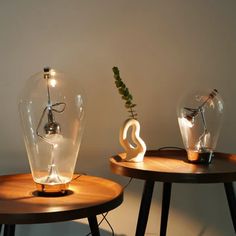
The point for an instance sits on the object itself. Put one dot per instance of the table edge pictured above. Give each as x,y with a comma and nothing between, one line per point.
203,178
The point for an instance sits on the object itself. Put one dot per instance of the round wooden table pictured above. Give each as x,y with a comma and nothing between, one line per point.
87,197
171,166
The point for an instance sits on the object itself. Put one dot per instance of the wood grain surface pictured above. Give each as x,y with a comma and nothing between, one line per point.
87,196
172,166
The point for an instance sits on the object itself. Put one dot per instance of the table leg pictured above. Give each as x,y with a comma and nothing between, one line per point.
144,208
9,230
230,193
166,195
93,224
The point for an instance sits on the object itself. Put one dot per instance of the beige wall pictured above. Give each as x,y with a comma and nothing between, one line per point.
162,49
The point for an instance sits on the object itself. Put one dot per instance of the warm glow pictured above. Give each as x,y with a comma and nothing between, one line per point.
204,141
54,139
186,122
52,82
52,72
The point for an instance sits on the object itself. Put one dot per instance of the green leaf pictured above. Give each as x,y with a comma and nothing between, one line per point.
130,97
118,83
115,70
123,85
117,77
121,91
124,91
133,105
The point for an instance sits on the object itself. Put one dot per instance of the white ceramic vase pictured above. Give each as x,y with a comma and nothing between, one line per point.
134,151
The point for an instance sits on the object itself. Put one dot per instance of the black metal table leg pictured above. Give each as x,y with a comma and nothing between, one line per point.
144,207
165,207
9,230
230,193
93,224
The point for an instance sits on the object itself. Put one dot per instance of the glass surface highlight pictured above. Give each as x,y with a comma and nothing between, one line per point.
52,113
200,117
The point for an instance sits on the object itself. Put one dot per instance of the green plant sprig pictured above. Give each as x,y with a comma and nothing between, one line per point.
124,92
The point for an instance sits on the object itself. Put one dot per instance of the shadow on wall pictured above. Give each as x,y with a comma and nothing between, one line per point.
14,161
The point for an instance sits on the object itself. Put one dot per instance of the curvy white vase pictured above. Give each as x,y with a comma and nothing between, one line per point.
134,151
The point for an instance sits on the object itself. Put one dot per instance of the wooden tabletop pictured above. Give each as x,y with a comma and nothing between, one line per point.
172,166
87,196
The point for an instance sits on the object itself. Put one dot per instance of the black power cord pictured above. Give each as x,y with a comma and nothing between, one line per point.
170,147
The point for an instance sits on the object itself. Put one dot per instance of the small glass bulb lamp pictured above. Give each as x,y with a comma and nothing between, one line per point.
51,112
200,117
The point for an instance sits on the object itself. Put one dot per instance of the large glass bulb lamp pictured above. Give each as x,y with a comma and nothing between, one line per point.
52,111
200,118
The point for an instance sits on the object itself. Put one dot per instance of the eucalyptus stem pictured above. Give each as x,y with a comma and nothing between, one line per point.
124,92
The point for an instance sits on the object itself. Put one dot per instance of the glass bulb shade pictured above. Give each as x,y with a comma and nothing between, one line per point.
200,116
52,113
